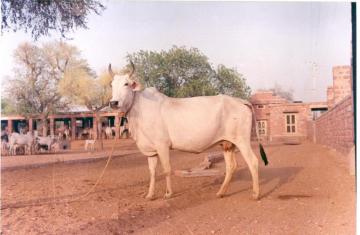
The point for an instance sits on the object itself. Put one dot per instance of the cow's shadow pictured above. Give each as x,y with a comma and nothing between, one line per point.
279,175
189,192
200,191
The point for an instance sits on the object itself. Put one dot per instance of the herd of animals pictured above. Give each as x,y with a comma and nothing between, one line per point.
29,143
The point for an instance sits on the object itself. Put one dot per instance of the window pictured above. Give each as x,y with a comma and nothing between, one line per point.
261,128
260,106
290,123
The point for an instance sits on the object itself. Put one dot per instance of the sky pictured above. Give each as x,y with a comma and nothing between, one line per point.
292,44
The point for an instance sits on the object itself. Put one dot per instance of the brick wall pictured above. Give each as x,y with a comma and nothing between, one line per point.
262,101
335,128
341,82
341,87
277,122
330,97
311,131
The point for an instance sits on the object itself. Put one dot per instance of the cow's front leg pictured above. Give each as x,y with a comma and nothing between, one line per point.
164,156
152,161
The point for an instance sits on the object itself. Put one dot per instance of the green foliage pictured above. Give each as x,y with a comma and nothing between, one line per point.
182,72
41,16
232,83
6,107
82,88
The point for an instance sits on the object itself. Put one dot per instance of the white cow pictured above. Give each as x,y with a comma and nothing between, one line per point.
45,141
108,132
89,145
56,146
67,134
159,123
91,133
17,140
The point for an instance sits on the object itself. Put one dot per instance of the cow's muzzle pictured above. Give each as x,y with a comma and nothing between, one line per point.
114,104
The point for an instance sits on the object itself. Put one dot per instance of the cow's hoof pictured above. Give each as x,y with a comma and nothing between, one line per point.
167,195
220,195
149,197
256,196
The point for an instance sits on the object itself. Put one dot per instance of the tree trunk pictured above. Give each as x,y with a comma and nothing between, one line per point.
44,125
99,132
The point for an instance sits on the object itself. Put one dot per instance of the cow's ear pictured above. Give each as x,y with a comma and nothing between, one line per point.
135,86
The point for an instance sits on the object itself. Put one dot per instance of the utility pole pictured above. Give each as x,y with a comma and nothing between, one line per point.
314,76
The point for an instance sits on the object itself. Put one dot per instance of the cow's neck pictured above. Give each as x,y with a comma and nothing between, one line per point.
143,99
132,102
132,114
144,109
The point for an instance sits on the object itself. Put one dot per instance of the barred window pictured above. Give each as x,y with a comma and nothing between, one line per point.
261,127
290,123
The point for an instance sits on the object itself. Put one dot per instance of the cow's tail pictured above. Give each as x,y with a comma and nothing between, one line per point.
262,151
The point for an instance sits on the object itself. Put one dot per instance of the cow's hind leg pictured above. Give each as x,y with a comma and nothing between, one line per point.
231,164
152,161
252,162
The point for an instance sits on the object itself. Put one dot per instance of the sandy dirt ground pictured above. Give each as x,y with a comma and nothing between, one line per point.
304,190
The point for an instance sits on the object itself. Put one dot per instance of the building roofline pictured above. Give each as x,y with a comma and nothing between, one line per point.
61,115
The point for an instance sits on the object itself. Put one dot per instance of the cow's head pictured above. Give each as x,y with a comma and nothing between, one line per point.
123,89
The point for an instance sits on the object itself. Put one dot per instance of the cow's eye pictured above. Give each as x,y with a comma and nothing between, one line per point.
126,84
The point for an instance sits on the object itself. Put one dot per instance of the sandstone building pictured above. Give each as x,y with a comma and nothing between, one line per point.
329,123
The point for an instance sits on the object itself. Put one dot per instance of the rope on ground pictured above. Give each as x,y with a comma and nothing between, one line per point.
100,176
53,201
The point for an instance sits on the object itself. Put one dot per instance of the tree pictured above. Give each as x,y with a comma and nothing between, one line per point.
176,73
182,72
232,83
7,107
82,88
286,94
38,70
42,16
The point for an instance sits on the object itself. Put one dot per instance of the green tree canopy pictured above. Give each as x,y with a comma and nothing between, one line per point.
182,72
232,83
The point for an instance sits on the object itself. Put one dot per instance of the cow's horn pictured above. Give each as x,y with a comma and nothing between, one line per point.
133,69
110,71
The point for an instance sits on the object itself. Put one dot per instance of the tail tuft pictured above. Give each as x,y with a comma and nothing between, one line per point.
263,154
